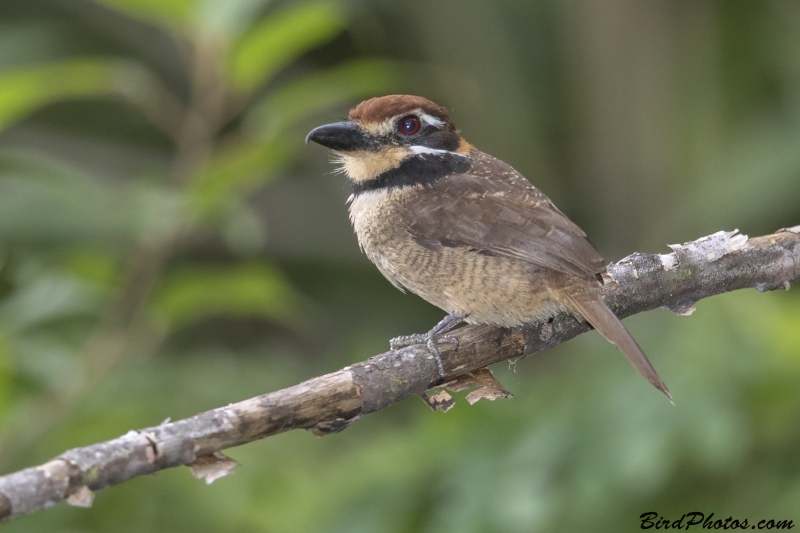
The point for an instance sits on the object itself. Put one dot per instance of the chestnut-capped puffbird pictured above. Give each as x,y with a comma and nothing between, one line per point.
463,230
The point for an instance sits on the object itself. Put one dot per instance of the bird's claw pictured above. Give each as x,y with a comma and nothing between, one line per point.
407,340
431,339
434,350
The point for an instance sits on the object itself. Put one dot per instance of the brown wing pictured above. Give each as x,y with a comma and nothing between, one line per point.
494,210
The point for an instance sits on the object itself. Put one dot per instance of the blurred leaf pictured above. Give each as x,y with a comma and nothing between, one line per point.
169,12
203,18
93,266
760,167
321,90
160,213
49,296
250,290
237,169
282,38
48,203
49,362
24,91
244,166
784,333
229,18
32,42
6,374
243,230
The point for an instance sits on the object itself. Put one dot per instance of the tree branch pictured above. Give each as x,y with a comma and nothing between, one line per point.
719,263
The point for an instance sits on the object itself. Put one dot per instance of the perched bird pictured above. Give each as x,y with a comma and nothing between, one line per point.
464,230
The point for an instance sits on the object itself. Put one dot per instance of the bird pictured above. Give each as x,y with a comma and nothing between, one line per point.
464,230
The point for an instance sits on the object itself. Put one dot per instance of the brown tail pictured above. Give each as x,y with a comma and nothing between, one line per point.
592,308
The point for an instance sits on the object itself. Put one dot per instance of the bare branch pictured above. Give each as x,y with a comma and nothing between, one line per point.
712,265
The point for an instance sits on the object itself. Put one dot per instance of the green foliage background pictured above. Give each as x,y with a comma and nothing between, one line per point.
168,244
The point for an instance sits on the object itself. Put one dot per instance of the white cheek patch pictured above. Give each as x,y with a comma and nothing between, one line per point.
420,150
430,120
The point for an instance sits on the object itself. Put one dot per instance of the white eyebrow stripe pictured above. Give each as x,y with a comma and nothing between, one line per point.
419,150
430,119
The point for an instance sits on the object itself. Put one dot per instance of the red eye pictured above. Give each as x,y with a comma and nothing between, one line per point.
408,125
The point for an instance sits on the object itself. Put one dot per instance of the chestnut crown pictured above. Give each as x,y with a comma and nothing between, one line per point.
384,122
382,108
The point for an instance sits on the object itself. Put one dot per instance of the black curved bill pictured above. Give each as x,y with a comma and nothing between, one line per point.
342,136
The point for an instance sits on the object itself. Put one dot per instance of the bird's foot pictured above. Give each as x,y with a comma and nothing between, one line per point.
431,339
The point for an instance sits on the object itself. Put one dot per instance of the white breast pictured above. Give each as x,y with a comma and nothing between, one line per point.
371,215
365,209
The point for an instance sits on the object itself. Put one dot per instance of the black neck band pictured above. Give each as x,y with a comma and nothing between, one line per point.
421,169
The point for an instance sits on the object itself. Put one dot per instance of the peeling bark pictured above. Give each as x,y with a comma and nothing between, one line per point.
719,263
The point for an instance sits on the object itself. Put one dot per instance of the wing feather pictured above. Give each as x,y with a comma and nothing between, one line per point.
494,210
